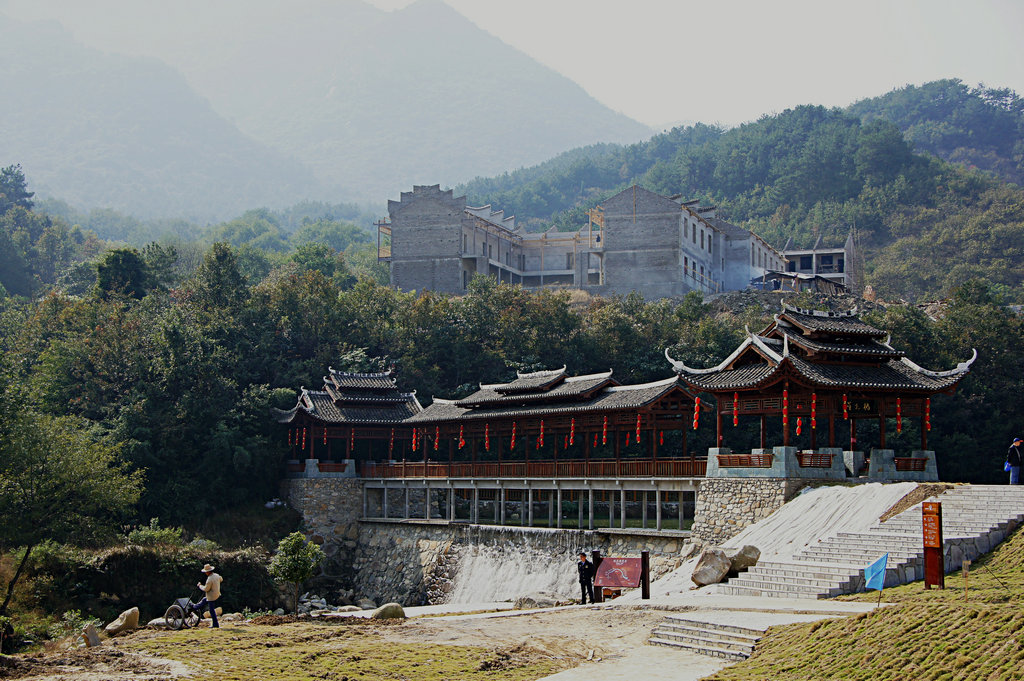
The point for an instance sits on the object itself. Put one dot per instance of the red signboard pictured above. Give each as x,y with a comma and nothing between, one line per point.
619,572
931,520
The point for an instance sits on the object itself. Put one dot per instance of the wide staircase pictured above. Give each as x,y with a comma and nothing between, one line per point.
975,518
718,640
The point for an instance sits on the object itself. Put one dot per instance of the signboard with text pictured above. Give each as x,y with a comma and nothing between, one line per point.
931,521
619,573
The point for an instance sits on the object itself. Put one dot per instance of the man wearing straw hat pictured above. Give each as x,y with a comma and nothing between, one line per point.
212,591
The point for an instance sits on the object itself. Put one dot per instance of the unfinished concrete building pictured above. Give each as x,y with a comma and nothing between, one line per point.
637,240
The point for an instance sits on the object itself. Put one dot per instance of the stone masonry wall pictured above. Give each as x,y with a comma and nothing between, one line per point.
414,562
726,506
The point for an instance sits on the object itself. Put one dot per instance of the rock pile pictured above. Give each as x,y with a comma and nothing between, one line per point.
312,604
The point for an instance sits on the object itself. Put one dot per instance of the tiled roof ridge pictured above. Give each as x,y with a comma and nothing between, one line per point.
643,386
827,314
356,374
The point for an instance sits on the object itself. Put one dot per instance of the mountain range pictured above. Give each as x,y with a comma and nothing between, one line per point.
269,104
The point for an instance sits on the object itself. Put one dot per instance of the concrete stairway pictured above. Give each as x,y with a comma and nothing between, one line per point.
718,640
975,518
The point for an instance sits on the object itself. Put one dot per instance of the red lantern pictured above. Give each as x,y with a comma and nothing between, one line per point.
437,437
696,412
735,409
595,439
540,440
565,442
289,437
814,411
846,409
572,432
303,439
661,438
414,440
462,441
391,442
513,435
785,407
799,425
638,428
928,413
325,437
627,438
899,415
487,437
604,431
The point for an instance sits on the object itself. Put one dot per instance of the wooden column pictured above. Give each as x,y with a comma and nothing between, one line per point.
718,422
831,428
618,453
924,429
881,430
764,430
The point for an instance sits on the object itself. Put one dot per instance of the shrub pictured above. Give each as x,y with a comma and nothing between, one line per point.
154,535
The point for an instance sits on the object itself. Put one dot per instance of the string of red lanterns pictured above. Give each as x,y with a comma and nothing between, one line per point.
899,415
391,442
814,411
846,409
487,437
638,428
928,413
799,425
572,432
437,437
735,409
513,435
696,412
604,431
785,407
303,439
415,441
462,441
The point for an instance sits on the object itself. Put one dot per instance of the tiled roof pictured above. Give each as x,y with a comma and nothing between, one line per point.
380,381
731,379
367,396
537,380
321,406
609,398
893,375
868,347
576,386
844,325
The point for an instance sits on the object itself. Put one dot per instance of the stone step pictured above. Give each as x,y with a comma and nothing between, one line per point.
908,546
803,580
682,620
857,556
823,568
805,573
756,592
785,587
704,637
713,652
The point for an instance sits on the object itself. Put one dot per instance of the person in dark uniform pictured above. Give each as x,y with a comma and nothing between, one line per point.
1013,459
586,570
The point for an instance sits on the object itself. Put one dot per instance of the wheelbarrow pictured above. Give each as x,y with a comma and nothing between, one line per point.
184,612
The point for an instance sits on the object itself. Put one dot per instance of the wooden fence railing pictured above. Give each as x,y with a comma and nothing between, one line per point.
631,468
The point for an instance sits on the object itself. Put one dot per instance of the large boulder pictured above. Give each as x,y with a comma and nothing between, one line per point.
157,623
742,559
347,608
90,637
389,611
125,622
539,599
206,613
712,566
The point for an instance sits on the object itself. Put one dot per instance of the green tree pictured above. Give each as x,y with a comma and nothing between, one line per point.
295,561
13,189
122,271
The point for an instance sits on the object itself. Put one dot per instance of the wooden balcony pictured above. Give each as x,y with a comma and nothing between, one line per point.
814,460
908,463
745,460
630,468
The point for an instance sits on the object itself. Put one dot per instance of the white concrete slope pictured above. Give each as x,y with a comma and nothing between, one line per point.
976,518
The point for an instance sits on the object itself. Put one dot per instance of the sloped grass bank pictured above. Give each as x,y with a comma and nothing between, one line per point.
301,651
928,634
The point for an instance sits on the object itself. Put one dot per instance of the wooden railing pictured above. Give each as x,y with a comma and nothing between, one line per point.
745,460
630,468
910,463
814,460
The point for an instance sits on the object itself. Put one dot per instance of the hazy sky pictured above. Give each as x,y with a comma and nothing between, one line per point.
662,61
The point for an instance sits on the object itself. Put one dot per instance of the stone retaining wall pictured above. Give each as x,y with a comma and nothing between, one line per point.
726,506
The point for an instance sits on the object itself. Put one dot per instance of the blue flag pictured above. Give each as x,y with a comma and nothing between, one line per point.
874,574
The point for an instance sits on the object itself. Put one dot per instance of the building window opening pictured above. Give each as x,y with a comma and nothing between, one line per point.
568,261
805,262
686,265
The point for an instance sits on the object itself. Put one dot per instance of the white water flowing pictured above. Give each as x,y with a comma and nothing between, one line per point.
503,563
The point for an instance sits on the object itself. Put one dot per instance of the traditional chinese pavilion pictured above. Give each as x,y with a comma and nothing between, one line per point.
362,413
820,373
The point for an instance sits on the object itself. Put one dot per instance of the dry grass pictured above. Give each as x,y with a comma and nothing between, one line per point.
303,651
917,495
928,634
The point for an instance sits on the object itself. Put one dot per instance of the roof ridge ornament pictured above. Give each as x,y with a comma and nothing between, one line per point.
551,372
961,368
763,347
681,368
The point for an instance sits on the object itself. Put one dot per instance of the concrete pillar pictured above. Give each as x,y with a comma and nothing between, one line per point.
579,510
643,512
622,509
590,525
426,502
558,509
497,507
475,514
611,508
551,508
406,515
528,516
384,502
365,502
502,519
657,508
681,495
451,504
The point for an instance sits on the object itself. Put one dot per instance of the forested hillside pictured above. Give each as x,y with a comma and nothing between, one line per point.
925,225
